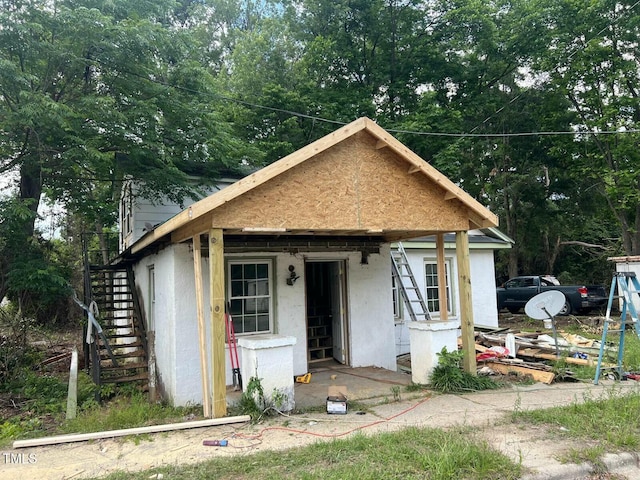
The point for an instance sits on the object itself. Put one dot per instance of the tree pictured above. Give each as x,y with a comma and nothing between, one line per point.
91,92
594,62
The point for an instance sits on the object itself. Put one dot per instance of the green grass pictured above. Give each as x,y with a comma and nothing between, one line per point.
607,424
126,411
413,453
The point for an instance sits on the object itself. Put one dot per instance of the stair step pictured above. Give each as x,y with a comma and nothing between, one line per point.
125,366
136,343
133,378
104,355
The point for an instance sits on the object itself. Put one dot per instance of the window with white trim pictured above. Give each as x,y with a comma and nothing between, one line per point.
249,290
431,286
397,312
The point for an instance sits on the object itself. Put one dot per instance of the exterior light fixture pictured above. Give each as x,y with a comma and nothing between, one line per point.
293,276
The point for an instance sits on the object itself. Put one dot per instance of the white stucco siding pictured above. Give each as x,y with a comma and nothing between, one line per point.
483,289
290,308
164,317
371,311
188,378
368,307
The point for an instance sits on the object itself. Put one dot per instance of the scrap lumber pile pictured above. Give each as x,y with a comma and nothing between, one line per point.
529,354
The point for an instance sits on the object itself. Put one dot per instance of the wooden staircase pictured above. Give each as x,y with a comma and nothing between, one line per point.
125,359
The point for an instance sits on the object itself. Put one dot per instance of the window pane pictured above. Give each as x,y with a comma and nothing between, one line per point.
250,323
237,288
236,272
250,297
236,307
250,271
263,270
263,323
250,305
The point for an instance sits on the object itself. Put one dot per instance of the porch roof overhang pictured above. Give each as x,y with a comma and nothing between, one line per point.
357,182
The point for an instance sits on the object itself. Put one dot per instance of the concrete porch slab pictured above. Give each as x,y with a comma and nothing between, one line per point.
364,384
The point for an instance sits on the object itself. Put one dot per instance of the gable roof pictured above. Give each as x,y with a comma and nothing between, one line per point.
357,181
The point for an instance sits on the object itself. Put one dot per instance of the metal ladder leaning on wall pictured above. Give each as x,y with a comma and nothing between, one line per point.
406,282
627,285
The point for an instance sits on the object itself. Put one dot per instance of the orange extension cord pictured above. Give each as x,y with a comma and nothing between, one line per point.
259,435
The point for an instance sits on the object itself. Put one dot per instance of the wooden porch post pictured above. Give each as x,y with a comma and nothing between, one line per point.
442,278
216,276
204,369
466,307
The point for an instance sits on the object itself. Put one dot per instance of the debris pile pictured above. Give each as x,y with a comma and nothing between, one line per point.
527,354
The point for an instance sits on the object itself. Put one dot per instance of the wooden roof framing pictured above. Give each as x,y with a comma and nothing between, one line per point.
356,181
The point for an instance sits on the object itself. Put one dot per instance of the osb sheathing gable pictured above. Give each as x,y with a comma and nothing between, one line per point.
349,186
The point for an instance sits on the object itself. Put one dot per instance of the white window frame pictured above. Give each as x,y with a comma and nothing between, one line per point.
431,268
268,297
397,301
127,210
151,307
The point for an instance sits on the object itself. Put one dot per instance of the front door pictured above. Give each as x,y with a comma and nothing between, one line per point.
327,333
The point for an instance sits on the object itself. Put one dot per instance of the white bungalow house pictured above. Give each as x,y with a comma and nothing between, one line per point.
299,253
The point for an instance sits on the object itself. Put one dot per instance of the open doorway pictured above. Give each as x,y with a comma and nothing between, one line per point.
327,332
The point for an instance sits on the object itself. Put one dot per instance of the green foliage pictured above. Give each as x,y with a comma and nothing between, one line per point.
256,404
16,354
449,377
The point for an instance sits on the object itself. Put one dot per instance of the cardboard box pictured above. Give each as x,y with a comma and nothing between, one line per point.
337,400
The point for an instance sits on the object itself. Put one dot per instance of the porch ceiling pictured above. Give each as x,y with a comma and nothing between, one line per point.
358,181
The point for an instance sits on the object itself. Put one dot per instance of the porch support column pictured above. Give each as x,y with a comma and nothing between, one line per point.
466,307
204,369
216,276
442,278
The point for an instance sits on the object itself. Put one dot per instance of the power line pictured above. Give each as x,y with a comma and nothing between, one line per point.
407,132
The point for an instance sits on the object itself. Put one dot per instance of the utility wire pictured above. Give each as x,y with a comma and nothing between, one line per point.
315,118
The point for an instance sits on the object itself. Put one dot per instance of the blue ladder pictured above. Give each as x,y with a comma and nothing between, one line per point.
627,284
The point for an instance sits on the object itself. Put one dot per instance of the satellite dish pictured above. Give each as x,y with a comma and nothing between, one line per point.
545,305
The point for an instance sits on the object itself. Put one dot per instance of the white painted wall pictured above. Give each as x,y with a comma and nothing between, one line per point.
631,265
369,310
483,288
164,313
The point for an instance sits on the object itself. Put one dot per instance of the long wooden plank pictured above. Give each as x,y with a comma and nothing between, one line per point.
442,278
82,437
218,366
537,375
202,342
466,306
535,353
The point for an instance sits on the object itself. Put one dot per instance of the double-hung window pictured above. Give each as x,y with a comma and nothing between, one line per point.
431,286
250,295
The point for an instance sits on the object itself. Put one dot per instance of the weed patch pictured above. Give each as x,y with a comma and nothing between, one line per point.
449,377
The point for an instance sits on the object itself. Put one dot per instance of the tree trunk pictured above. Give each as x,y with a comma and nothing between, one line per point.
30,192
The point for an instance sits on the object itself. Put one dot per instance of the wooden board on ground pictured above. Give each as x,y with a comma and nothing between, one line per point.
537,375
535,353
